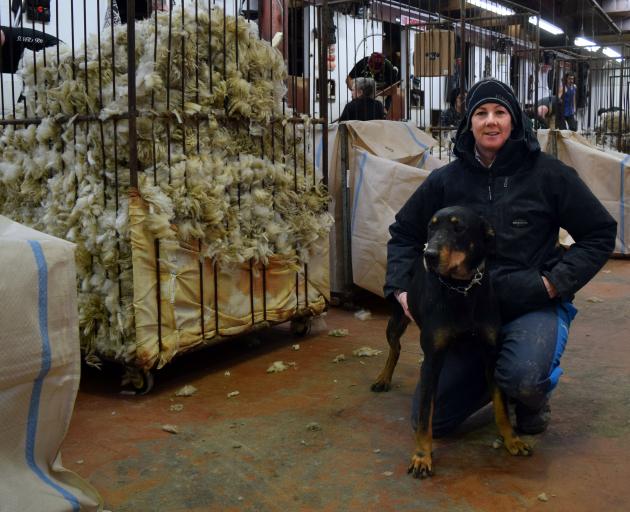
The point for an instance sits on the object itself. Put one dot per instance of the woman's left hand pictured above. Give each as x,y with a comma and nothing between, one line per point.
551,289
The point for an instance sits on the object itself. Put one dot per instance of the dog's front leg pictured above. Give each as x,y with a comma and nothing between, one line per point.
421,461
513,444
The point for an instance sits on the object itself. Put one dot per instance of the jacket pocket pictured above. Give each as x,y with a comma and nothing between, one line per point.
520,292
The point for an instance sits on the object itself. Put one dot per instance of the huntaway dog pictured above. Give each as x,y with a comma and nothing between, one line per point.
451,300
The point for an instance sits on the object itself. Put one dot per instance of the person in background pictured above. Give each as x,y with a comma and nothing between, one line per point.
377,67
526,196
363,106
566,96
545,96
455,113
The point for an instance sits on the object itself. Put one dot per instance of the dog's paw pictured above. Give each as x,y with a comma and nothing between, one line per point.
516,446
379,386
421,465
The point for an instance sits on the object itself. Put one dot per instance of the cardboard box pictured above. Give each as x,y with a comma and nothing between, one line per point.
435,53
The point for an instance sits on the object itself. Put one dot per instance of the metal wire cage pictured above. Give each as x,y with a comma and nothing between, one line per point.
170,150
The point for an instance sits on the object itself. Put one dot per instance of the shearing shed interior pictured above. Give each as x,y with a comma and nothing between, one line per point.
213,216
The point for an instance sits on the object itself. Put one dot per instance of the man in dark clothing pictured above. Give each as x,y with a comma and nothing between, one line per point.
454,114
377,67
526,196
363,107
567,97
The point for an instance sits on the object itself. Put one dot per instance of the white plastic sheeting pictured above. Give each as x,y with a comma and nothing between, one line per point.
381,189
607,173
383,151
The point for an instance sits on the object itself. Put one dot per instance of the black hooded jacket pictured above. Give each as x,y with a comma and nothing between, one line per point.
526,195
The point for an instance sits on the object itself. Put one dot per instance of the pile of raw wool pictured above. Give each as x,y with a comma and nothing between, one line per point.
216,159
607,131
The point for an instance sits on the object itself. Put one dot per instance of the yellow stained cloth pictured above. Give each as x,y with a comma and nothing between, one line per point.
245,296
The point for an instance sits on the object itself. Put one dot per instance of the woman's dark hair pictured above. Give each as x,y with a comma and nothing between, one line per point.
452,97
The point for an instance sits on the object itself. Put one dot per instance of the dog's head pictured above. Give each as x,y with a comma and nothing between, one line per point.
458,241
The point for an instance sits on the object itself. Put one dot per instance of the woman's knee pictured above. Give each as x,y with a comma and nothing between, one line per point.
526,382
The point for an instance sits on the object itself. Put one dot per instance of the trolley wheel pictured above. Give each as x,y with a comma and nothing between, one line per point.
147,383
141,381
335,301
301,326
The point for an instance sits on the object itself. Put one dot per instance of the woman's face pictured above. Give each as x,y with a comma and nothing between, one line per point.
491,126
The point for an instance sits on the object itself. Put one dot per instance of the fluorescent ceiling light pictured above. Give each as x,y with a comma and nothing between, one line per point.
590,45
545,25
491,6
609,52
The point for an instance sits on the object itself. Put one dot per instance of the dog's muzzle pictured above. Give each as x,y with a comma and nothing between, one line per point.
431,258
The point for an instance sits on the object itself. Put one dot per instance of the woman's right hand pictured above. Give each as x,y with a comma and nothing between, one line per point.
401,297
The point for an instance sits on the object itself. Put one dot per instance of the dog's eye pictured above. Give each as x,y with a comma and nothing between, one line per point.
458,227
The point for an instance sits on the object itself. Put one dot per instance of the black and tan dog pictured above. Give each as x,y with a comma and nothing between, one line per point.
451,300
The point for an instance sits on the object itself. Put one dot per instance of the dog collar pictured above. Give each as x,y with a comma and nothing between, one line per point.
464,289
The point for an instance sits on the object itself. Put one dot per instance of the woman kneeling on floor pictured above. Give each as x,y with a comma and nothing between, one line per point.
526,195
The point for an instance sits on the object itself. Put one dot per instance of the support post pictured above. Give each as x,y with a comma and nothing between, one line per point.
346,216
131,92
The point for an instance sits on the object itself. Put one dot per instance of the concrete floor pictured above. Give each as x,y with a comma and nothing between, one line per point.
256,452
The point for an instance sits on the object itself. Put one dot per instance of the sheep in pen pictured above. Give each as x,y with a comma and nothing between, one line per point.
227,230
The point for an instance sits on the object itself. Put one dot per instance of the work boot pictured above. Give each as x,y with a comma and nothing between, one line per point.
532,422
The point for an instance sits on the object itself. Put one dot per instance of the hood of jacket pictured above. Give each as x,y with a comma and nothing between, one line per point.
519,149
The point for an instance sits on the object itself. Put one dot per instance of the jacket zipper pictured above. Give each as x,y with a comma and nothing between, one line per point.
490,183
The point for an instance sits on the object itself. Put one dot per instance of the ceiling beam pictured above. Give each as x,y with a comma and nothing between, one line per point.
605,16
612,39
616,7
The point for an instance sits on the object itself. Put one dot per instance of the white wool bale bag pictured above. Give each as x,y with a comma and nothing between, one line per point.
39,372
